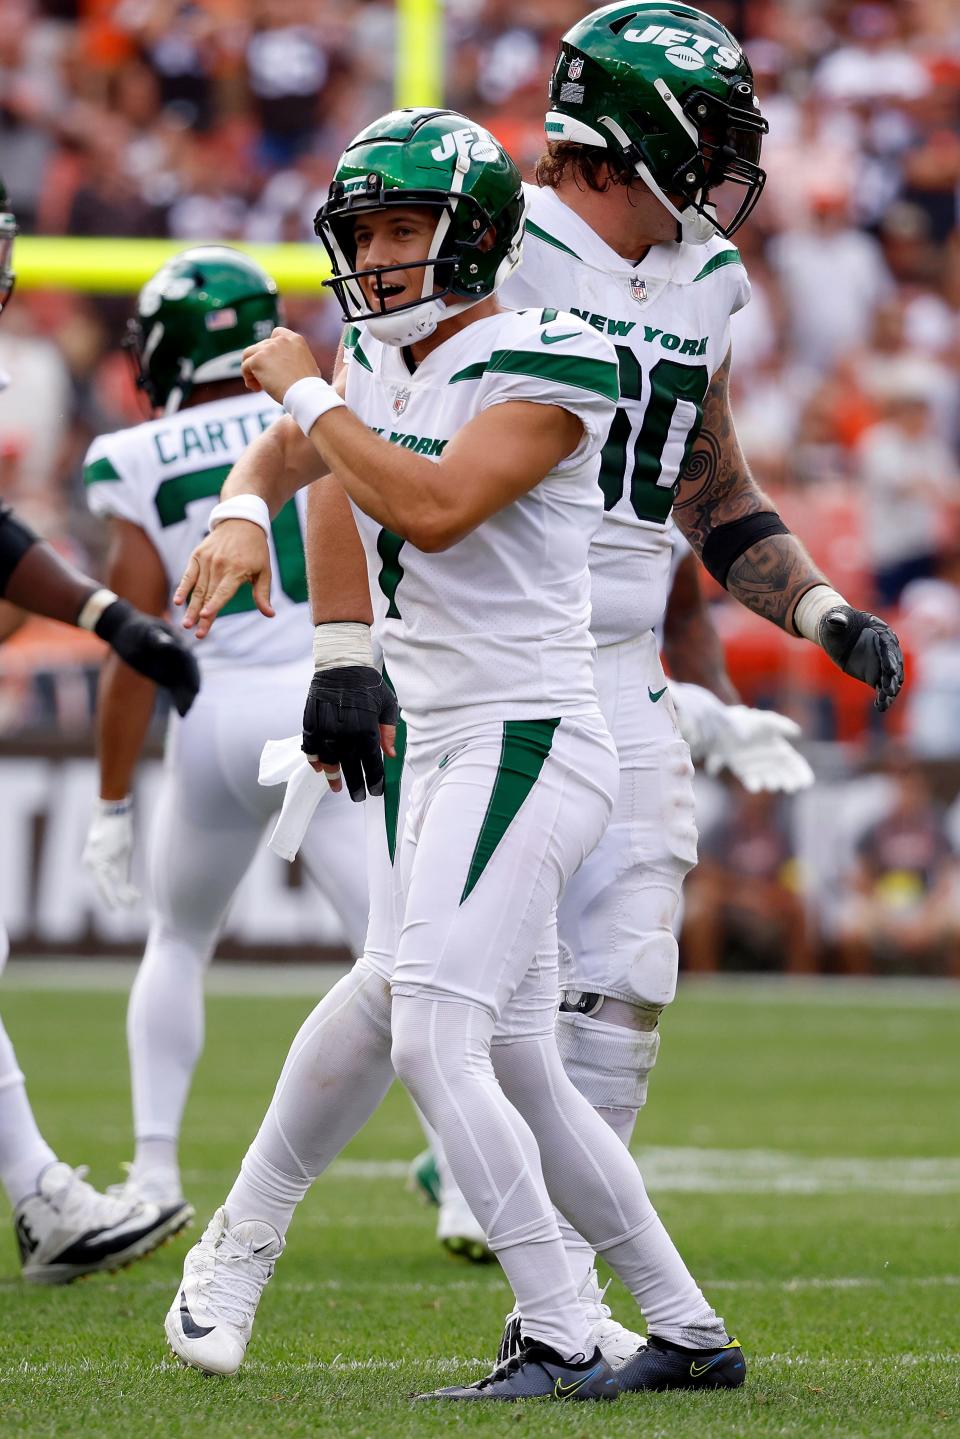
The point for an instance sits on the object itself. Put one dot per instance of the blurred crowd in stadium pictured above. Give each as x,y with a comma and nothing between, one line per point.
223,119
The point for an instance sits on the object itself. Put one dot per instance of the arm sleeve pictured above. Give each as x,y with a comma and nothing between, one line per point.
108,483
559,361
15,539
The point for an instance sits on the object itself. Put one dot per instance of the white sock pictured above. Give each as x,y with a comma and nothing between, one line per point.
154,1154
336,1074
580,1254
441,1051
165,1030
24,1152
594,1181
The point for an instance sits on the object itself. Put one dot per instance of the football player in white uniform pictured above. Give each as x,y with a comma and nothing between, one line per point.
654,135
156,485
64,1227
470,462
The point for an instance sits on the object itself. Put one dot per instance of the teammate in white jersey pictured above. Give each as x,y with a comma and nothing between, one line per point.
64,1227
156,485
471,464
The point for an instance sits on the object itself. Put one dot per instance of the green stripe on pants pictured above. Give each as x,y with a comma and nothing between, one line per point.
526,744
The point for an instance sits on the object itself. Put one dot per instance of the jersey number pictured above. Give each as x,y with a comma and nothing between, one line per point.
172,499
671,423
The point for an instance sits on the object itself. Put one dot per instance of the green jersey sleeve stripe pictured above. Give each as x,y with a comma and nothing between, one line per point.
600,376
350,336
98,471
361,358
539,234
476,371
547,317
578,371
726,257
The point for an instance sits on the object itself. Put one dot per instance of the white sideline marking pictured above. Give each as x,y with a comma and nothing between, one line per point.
447,1364
745,1171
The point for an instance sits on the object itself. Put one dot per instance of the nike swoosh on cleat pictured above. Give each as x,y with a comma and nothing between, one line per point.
696,1370
656,694
190,1327
555,339
564,1391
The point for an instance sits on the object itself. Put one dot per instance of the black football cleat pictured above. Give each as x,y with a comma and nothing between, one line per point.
538,1372
662,1365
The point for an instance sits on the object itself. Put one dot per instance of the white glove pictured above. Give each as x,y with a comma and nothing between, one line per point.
754,745
109,850
282,761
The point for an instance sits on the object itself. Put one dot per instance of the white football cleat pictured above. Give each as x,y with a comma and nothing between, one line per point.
615,1342
154,1186
68,1228
209,1323
459,1232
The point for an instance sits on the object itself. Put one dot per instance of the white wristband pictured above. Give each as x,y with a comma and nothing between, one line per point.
93,608
242,507
811,609
308,399
342,642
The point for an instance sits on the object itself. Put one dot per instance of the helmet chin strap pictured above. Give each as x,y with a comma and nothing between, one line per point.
408,326
695,227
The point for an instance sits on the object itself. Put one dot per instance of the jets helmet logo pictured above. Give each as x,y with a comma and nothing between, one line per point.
685,51
470,144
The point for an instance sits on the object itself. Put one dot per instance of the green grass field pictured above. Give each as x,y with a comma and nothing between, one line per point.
803,1144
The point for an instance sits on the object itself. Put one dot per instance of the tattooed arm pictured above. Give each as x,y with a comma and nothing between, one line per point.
742,541
716,487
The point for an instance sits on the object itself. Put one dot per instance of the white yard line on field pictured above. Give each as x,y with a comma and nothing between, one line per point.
313,980
744,1171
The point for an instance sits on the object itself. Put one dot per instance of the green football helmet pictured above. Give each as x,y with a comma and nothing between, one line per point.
194,319
436,158
669,91
8,233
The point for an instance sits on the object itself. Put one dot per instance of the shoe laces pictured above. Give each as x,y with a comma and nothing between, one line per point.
594,1301
503,1371
233,1279
76,1195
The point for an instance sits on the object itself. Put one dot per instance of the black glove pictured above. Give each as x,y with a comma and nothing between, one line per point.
863,646
151,647
341,724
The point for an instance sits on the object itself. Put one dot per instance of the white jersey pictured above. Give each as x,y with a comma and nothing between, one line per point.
166,476
669,318
497,627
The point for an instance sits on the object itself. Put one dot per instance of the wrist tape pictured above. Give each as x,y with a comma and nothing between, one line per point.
93,608
308,399
341,643
242,507
812,608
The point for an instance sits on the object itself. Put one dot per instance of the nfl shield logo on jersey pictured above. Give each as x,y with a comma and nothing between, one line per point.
400,400
575,68
638,289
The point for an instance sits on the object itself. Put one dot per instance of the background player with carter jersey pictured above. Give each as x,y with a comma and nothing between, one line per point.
156,485
64,1227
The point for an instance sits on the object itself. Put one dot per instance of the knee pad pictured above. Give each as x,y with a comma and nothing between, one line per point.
610,1065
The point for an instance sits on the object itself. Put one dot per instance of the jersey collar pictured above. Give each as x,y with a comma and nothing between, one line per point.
661,262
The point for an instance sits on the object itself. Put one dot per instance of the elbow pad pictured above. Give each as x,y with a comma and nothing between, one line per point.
724,545
15,539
